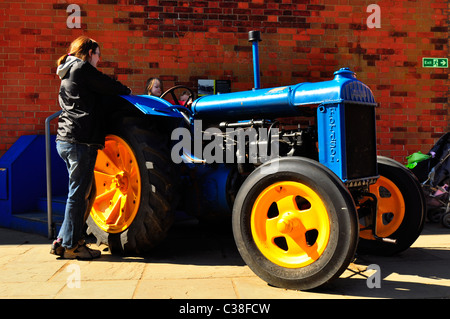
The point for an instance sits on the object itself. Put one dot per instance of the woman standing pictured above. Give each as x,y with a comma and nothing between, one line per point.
80,134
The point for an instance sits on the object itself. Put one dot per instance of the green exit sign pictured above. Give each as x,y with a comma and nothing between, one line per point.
435,62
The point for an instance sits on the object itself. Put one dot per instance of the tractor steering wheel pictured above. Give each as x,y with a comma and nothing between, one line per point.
172,90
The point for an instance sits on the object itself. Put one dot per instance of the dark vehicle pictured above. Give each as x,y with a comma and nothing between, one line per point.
433,172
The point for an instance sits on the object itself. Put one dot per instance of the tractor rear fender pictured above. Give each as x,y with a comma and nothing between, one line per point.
151,105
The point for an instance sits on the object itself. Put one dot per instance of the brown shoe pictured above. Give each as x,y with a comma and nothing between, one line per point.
81,251
56,248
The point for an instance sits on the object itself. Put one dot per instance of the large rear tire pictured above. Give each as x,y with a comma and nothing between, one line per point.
136,188
401,210
295,227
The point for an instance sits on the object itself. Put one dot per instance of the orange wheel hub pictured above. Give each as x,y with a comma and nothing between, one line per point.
290,224
391,209
118,183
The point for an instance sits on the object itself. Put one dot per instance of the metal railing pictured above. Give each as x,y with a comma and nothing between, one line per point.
48,163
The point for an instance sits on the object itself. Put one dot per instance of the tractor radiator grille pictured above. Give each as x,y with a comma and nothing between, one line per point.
360,140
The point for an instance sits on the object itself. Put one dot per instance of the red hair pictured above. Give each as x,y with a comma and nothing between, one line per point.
80,48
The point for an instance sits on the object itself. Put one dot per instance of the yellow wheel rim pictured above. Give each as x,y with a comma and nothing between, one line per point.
118,183
391,209
290,224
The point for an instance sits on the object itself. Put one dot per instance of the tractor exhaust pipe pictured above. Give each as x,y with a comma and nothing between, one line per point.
254,37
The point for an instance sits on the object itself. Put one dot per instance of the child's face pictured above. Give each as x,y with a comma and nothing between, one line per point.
156,89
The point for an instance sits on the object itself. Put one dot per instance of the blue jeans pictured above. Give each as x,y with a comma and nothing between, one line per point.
80,161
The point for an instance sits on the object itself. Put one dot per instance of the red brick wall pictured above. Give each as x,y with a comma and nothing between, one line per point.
181,41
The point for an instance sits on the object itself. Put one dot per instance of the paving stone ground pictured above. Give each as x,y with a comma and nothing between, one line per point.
198,262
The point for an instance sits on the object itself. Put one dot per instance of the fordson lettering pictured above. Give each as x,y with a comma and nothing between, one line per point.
332,124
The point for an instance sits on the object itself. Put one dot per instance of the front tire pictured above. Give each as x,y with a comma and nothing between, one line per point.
295,227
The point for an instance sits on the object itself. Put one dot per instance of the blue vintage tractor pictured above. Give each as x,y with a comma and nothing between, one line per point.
294,167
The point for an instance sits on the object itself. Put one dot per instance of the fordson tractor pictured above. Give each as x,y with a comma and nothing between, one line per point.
295,168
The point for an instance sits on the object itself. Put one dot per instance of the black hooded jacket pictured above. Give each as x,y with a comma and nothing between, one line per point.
82,86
